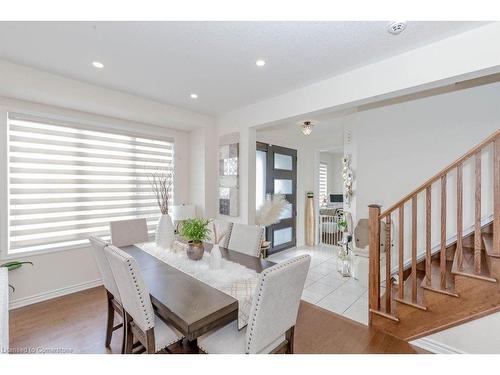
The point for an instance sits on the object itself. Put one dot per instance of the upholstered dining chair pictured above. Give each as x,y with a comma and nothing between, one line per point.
246,239
141,321
129,232
113,296
221,226
272,316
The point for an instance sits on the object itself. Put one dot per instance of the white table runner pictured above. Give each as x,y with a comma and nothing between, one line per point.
232,278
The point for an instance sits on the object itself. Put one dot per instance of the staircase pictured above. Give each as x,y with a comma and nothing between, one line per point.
431,287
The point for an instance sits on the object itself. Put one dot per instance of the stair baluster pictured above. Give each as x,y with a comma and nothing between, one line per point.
428,234
442,255
414,249
374,250
460,225
477,219
388,281
401,241
496,197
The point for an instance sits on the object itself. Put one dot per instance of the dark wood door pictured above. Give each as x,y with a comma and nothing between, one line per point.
281,177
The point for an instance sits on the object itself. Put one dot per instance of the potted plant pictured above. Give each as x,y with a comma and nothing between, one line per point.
14,265
161,184
195,231
342,225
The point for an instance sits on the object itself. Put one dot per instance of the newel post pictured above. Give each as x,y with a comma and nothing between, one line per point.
496,196
374,251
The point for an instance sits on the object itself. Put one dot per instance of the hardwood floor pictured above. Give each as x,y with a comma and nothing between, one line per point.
76,324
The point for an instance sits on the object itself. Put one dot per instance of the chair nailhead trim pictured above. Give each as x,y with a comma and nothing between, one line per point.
266,272
141,297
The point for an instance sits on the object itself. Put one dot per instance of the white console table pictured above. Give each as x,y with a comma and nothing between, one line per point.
4,311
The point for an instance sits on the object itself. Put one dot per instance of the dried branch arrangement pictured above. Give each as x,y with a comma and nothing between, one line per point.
161,183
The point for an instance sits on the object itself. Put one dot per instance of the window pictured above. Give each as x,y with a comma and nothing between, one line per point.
323,184
260,180
66,182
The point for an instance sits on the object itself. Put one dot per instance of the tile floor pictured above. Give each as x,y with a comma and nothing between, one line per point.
325,286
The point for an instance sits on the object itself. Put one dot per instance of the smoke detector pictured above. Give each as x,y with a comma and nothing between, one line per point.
396,27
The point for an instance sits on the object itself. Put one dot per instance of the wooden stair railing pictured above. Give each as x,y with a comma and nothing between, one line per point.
397,210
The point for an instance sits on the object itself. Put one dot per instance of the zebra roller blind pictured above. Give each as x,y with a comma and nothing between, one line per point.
67,182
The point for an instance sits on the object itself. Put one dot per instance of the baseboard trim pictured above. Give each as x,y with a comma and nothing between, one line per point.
435,346
44,296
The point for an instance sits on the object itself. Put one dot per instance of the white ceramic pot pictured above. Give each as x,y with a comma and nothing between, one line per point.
164,232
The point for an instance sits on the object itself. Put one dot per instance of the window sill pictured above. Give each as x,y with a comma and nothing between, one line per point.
23,254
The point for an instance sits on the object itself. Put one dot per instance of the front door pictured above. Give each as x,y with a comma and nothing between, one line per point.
281,177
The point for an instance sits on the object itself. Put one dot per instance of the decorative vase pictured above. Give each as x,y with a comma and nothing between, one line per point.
345,267
164,232
215,258
195,250
310,219
344,256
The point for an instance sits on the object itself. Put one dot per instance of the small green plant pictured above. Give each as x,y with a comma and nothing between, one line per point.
195,230
342,225
11,266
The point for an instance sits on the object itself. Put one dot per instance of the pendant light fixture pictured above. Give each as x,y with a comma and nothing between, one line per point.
307,127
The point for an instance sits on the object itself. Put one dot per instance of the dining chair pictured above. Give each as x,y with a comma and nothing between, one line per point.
246,239
273,314
221,226
141,322
129,232
112,293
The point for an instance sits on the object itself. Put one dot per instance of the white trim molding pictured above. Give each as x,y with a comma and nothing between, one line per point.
44,296
435,346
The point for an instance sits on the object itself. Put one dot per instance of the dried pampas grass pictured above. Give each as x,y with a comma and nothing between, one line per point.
269,213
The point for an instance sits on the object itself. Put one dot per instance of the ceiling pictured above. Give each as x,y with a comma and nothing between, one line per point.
167,61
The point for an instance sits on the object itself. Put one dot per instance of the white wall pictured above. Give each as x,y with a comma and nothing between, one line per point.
36,92
203,171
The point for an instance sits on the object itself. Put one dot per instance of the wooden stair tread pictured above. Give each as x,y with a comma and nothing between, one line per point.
407,300
488,244
468,266
435,285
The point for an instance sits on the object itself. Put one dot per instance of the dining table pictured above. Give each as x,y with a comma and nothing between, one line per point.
190,305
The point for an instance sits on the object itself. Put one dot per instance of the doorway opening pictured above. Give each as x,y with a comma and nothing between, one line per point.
330,196
276,173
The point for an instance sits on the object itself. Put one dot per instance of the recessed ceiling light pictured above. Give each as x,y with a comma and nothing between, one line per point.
260,62
193,96
97,64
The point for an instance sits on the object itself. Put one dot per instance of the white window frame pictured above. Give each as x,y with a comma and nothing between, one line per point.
325,165
101,125
4,186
